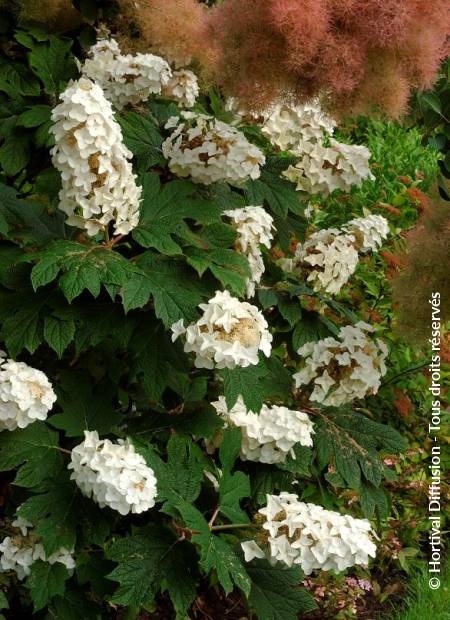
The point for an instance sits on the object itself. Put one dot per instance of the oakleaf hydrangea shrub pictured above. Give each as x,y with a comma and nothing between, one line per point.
184,372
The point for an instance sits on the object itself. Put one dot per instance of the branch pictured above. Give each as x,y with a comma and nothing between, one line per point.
233,526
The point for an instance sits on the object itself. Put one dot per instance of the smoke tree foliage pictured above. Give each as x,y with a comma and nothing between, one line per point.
159,336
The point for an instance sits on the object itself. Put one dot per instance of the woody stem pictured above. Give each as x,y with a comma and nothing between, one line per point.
213,518
232,526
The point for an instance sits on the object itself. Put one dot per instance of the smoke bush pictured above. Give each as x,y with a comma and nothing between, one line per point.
361,53
423,271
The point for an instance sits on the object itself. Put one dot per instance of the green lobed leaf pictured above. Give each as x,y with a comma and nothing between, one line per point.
142,136
275,594
230,447
289,229
215,553
15,79
43,138
351,442
35,116
218,235
180,477
152,365
23,328
15,152
218,555
53,63
34,451
103,322
45,582
162,210
28,222
180,578
256,384
83,267
290,309
310,328
84,406
228,266
44,272
268,480
140,565
278,192
430,100
232,487
300,465
244,382
183,470
374,498
175,294
203,423
58,333
54,514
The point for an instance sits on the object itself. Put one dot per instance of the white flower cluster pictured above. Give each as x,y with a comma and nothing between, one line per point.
267,437
330,256
230,333
369,232
328,259
183,87
113,474
26,395
343,368
19,552
125,78
323,169
309,535
295,128
209,150
98,184
254,227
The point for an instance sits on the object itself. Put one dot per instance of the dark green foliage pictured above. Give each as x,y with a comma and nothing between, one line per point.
34,451
274,595
142,137
45,582
143,560
350,442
